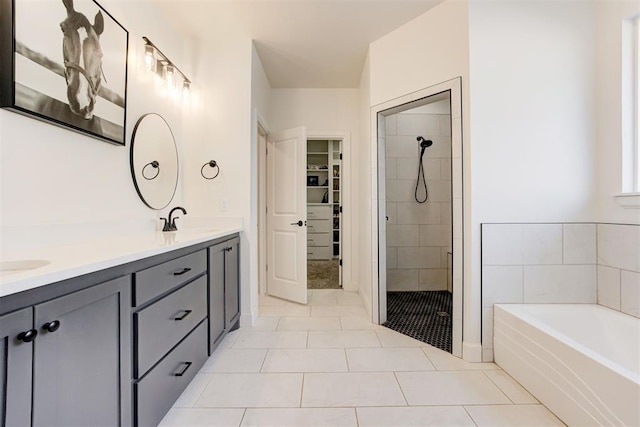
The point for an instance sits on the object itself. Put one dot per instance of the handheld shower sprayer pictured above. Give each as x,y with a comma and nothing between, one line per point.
424,144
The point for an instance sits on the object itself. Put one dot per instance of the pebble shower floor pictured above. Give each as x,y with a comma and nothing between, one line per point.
424,315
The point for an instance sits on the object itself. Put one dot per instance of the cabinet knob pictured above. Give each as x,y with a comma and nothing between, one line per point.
52,326
28,336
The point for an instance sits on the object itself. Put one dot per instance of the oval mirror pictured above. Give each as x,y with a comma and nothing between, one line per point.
154,161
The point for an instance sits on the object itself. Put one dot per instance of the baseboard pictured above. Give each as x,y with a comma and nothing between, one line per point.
472,352
247,320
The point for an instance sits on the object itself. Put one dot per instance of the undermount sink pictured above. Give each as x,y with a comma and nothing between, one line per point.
18,266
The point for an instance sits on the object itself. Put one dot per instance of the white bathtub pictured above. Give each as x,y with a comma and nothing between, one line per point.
582,361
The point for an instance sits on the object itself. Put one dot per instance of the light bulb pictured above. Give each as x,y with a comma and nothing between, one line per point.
170,76
149,58
186,87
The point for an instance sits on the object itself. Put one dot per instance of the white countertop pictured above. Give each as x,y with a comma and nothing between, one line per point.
76,259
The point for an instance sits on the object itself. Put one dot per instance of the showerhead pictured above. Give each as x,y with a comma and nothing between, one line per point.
424,143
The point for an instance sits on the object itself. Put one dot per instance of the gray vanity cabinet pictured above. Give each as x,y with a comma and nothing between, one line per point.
232,283
224,298
82,358
216,294
116,347
16,347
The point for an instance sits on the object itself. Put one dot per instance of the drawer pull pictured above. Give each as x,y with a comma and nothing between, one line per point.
181,272
187,365
52,326
185,314
28,336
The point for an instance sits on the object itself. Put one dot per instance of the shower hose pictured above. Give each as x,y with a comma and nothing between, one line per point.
424,180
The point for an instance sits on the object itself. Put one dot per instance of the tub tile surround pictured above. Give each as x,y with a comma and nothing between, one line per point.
359,375
418,235
619,267
559,263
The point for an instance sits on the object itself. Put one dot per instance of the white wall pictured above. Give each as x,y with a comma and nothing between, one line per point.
327,110
260,112
532,159
51,177
363,200
415,55
609,91
317,109
515,57
412,58
220,128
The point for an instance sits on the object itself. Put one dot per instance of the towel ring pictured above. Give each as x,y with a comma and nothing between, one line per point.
154,164
212,164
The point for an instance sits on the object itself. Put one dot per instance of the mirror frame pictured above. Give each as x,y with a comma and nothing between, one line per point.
131,160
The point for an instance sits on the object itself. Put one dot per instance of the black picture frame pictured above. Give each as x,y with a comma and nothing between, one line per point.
48,79
312,180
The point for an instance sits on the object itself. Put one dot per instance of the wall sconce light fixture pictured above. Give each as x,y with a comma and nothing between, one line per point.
156,61
211,164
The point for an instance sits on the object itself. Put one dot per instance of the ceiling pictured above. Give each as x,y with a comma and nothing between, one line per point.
301,43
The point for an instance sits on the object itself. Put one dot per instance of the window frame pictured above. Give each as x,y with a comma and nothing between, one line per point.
629,197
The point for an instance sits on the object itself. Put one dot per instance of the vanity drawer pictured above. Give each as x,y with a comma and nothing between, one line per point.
321,252
158,390
163,324
318,226
318,239
318,212
157,280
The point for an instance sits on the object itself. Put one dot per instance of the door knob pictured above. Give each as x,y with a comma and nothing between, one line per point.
299,223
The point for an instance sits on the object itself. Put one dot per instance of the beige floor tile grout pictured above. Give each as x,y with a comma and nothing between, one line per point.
319,308
404,396
499,388
469,415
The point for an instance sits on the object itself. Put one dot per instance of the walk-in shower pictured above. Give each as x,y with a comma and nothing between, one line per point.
418,177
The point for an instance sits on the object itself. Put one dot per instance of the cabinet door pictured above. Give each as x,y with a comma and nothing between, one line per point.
216,293
15,368
82,363
232,282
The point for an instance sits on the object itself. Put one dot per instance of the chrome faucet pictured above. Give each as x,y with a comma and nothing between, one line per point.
170,224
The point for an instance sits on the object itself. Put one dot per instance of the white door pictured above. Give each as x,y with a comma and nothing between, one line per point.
287,215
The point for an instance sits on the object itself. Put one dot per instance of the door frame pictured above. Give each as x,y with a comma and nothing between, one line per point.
345,201
378,208
262,133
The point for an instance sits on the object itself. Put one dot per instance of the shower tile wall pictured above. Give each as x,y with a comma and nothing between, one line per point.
418,235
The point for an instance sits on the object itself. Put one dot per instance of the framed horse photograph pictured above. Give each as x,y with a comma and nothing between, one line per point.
65,62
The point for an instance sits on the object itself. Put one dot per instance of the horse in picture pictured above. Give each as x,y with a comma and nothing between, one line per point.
82,59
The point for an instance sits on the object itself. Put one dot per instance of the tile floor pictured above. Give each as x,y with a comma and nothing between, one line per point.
325,364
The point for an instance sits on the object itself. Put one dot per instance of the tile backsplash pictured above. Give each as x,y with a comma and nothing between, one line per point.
559,263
